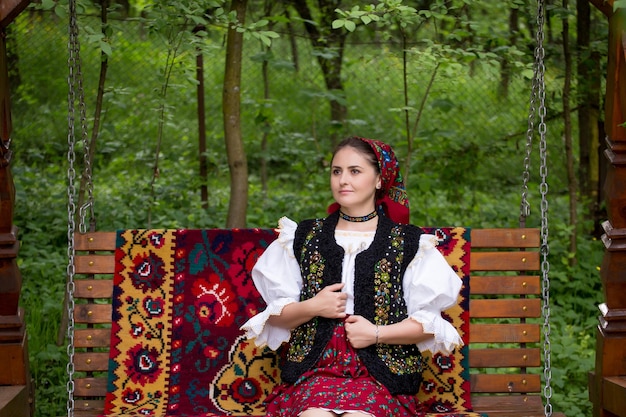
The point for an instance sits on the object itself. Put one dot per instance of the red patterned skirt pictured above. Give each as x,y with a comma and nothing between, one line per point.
340,383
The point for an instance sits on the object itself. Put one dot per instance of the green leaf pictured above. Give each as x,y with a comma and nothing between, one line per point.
339,23
48,4
106,48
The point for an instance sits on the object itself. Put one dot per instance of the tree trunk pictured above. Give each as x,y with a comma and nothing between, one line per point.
330,42
202,158
86,182
293,43
505,69
567,123
589,78
231,101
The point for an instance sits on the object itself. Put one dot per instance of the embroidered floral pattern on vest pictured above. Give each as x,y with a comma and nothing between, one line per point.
303,336
379,297
387,299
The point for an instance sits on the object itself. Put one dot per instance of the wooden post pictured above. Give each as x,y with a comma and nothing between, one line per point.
16,396
607,384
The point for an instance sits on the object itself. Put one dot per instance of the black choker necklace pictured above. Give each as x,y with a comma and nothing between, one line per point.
359,218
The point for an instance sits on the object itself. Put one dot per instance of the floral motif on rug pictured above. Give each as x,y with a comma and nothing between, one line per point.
179,299
445,389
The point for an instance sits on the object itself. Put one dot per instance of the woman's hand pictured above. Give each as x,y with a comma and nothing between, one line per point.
330,302
360,331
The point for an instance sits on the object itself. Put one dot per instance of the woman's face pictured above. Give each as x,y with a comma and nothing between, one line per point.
353,181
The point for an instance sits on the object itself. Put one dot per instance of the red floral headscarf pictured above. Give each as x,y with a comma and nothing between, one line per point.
393,199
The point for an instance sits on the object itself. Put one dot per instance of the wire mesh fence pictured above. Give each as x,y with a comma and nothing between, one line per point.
456,105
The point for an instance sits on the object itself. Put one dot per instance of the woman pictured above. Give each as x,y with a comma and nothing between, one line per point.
356,295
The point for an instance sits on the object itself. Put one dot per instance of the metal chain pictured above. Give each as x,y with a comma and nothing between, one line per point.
86,153
539,93
73,67
525,205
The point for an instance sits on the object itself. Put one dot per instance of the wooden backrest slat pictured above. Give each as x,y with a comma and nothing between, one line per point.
93,288
90,387
92,338
95,241
494,251
509,405
94,264
92,313
504,357
505,285
505,238
87,407
505,383
504,261
91,361
504,333
502,308
481,238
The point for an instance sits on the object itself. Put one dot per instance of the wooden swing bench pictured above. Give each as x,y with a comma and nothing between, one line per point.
505,308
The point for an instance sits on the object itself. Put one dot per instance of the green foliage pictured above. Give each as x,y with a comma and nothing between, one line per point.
466,168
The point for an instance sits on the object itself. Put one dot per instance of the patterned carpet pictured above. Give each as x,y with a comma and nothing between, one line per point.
179,299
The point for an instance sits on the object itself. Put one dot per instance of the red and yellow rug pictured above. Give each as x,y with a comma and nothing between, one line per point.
179,299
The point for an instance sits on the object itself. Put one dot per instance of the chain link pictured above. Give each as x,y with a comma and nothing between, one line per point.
525,205
86,155
73,75
538,93
543,189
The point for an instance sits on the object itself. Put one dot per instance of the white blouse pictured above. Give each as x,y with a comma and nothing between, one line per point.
430,286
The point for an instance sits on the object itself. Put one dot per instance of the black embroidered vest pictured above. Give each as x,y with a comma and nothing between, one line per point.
378,297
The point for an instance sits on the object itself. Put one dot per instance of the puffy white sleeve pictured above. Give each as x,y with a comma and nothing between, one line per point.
278,279
430,287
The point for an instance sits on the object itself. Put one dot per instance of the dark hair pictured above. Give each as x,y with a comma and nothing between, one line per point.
362,147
